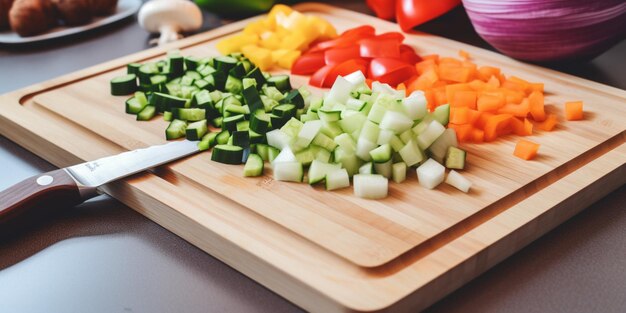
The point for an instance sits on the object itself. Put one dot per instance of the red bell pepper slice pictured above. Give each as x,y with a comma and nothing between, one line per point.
340,55
318,79
308,63
408,55
385,9
344,69
377,48
410,13
391,71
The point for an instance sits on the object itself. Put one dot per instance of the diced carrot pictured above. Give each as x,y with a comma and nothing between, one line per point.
478,135
449,60
524,85
459,115
536,106
518,110
440,96
526,150
454,73
425,65
574,110
473,116
536,87
464,98
521,127
485,72
434,57
481,122
430,99
497,125
464,54
463,131
488,102
401,86
425,81
513,96
493,83
477,85
549,123
452,88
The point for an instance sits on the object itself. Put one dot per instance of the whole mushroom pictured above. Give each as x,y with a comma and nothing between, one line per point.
169,17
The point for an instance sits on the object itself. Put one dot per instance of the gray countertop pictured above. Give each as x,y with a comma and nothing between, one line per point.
103,257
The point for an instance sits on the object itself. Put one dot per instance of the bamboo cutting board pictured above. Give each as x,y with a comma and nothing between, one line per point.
331,251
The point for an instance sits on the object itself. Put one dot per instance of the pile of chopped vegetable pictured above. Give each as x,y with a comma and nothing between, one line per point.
371,135
382,58
279,38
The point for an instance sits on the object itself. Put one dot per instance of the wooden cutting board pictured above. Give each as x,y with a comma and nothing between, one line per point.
331,251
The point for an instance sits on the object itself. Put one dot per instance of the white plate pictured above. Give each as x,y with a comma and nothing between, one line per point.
125,8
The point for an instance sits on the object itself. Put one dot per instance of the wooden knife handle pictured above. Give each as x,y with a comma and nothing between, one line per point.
52,189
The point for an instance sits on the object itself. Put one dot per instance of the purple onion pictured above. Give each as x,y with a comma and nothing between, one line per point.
549,30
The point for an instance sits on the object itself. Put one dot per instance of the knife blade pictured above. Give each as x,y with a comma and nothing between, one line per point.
75,184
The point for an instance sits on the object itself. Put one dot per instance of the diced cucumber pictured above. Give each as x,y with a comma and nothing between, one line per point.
230,123
134,106
324,141
196,130
318,171
384,168
241,138
288,171
176,129
208,141
329,115
281,82
411,154
367,168
337,179
439,148
272,153
431,174
396,122
190,115
349,160
308,132
257,75
147,113
363,148
455,158
124,85
442,114
168,116
458,181
294,97
278,139
398,172
233,85
227,154
224,63
382,154
415,105
430,134
370,186
254,166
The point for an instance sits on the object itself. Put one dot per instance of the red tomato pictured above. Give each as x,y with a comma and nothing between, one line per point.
410,13
391,71
308,63
384,9
344,69
377,48
318,79
339,55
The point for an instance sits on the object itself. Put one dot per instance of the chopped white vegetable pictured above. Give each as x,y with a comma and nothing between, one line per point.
318,170
398,172
396,122
415,105
370,186
458,181
285,156
383,168
337,179
288,171
308,131
277,139
431,174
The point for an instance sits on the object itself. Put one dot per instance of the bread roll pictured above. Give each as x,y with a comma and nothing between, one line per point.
31,17
5,6
103,7
73,12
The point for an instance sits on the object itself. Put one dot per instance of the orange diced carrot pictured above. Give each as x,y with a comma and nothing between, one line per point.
452,88
497,125
463,131
513,96
464,54
549,123
430,99
526,150
477,85
487,102
574,110
459,115
521,127
449,60
493,82
434,57
536,87
486,72
536,106
518,110
478,135
481,122
464,98
473,116
454,72
440,96
524,85
401,86
426,80
425,65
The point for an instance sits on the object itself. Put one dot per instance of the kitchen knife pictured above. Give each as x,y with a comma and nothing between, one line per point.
75,184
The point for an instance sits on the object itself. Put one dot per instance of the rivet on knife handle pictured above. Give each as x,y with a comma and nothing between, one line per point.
56,188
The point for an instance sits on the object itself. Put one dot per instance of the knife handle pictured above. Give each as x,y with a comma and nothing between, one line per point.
56,188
